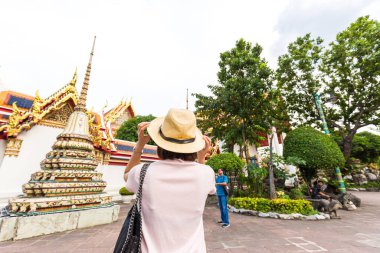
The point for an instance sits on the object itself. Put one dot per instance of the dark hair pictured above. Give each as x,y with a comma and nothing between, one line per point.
165,154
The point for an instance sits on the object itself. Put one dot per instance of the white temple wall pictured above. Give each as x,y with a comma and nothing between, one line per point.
253,150
3,144
277,147
113,175
16,171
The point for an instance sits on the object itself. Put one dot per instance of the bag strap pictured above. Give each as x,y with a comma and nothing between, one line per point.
142,177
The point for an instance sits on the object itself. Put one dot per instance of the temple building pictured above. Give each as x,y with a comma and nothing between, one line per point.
29,126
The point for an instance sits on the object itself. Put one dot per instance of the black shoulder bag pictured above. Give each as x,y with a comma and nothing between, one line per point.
226,190
130,236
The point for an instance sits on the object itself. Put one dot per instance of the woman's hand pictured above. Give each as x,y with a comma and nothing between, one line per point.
138,150
142,137
203,152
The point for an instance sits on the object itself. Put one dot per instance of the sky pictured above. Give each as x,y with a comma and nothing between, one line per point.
151,51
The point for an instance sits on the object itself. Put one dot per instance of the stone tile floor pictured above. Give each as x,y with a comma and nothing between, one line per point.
356,231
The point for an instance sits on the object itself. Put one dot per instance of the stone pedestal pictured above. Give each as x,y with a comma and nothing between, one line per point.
15,228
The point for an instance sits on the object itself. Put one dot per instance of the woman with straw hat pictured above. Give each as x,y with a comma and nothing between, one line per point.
176,187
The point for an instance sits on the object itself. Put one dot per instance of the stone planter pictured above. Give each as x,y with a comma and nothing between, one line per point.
127,198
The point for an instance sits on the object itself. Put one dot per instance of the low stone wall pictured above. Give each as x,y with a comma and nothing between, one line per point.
15,228
293,216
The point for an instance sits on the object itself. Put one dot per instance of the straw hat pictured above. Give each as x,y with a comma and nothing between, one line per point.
177,132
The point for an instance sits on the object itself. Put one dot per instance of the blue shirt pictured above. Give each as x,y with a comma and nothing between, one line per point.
220,188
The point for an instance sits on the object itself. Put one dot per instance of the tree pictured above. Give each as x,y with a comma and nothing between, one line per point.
318,151
352,67
366,147
234,111
278,120
349,71
298,77
128,130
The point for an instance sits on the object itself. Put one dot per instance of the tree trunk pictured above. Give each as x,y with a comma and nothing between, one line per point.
245,146
347,146
272,188
230,148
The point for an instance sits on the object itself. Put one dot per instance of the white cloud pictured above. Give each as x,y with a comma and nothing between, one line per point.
149,50
324,18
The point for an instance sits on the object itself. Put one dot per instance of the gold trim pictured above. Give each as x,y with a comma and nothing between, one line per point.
106,158
81,106
24,120
51,123
13,147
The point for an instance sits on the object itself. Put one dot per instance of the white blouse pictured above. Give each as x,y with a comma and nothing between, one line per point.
174,197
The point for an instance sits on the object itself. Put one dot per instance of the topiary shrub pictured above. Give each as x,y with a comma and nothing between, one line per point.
318,150
232,166
123,191
229,162
284,206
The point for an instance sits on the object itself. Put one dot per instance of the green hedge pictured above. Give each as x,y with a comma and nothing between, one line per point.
284,206
318,150
124,191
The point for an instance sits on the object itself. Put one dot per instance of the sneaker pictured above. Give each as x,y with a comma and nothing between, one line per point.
220,222
225,225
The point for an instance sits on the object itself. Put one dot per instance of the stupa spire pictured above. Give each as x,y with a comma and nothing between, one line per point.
81,106
67,180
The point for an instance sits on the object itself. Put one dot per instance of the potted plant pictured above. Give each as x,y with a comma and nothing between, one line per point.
126,196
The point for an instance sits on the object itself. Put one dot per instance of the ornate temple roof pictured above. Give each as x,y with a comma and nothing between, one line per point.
7,98
20,112
117,111
124,150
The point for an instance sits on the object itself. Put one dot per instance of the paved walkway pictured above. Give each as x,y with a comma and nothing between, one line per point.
357,231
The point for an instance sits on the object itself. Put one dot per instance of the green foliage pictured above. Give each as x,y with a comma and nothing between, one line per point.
245,103
229,162
296,161
255,180
366,147
124,191
128,130
296,193
348,70
373,184
278,162
297,77
232,166
235,113
284,206
304,189
282,195
318,151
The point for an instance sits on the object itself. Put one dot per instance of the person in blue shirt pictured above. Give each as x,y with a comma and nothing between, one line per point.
221,182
